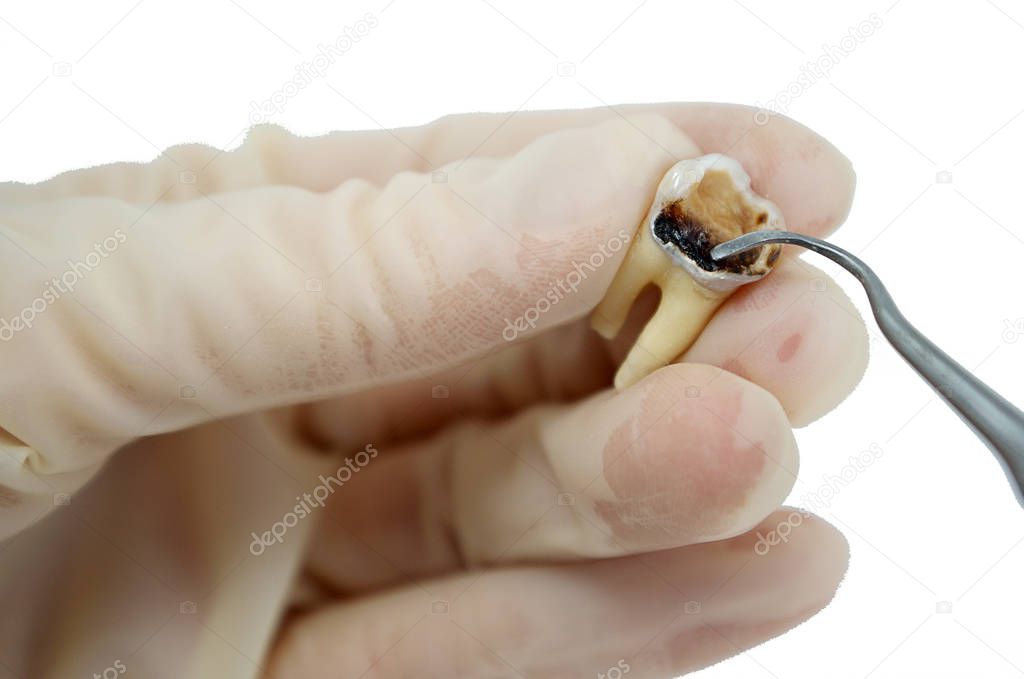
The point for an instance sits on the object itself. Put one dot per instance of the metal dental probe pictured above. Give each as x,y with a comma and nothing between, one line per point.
996,421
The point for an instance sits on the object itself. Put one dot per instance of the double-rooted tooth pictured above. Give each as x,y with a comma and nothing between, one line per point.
699,203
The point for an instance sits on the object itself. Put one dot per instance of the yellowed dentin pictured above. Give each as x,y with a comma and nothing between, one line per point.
717,203
699,203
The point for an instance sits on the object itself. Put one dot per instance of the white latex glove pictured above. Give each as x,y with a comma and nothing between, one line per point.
239,323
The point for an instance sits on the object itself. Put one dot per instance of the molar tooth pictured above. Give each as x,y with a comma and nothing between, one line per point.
699,203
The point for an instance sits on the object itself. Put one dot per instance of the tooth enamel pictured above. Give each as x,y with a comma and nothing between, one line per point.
699,203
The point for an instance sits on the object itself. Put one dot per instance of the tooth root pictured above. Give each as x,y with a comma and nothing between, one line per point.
644,264
684,309
682,313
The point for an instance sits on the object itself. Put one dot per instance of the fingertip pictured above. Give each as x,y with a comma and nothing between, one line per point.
797,334
838,351
803,173
821,352
697,454
804,557
759,585
812,178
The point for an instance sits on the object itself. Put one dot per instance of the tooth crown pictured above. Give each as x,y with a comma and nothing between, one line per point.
706,201
700,203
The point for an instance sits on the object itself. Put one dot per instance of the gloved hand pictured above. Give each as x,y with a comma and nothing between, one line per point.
366,428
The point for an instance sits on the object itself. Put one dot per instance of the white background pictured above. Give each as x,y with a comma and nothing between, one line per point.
937,88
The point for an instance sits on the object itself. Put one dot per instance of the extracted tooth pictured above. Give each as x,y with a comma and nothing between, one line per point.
699,203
